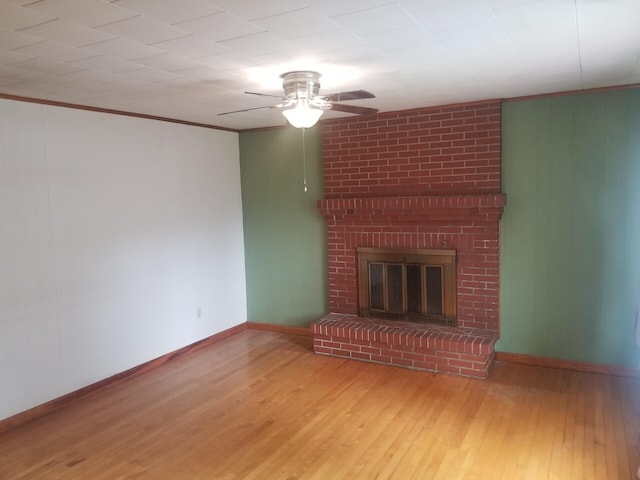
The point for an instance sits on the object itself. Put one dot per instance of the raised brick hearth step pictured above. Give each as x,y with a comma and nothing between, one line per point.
421,346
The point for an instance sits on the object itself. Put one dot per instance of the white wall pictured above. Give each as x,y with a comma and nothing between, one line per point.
114,233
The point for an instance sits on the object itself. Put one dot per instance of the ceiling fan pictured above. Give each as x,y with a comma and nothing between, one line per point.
301,104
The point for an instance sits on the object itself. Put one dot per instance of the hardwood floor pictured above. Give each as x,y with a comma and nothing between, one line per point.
261,405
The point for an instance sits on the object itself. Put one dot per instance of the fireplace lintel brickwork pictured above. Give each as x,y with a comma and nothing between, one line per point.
421,179
419,210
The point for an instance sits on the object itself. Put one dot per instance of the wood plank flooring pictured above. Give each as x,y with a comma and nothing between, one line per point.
261,405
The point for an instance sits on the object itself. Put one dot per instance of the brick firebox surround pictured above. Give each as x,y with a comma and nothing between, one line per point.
423,178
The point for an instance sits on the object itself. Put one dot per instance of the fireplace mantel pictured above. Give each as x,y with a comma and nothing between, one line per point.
410,210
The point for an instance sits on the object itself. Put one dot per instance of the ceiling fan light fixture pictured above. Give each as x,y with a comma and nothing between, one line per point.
303,115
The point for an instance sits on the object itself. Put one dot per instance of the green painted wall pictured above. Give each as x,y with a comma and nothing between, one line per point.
285,235
570,258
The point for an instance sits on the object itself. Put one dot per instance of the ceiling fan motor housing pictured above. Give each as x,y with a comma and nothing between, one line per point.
301,84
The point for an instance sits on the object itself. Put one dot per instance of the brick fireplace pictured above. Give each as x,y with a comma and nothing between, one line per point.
419,179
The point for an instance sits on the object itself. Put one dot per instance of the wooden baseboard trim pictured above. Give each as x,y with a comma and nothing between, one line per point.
567,364
270,327
57,403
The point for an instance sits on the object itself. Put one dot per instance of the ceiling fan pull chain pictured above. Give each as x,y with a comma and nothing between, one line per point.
304,162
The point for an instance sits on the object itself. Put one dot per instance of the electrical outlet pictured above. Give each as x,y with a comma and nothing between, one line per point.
199,312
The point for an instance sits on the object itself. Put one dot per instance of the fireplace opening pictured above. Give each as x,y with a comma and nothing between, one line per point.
407,284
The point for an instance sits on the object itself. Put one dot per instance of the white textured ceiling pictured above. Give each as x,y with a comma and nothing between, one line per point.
193,59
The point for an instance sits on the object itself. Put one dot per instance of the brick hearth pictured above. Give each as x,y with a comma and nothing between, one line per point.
458,350
421,179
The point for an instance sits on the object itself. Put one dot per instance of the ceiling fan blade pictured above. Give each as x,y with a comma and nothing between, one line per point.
266,95
345,96
249,109
339,107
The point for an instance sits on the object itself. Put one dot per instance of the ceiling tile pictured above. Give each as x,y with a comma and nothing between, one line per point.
191,46
499,4
555,45
35,76
217,81
220,26
49,66
333,8
123,48
260,44
529,14
152,74
420,5
230,60
483,48
252,10
486,40
415,36
618,70
203,72
195,86
376,20
20,2
610,55
7,81
457,15
439,59
10,70
173,11
623,31
61,53
106,64
360,56
10,40
84,89
298,23
144,30
168,62
14,17
8,57
91,77
90,13
297,55
329,41
68,33
555,82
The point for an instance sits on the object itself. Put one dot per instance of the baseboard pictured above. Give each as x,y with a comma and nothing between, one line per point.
57,403
567,364
270,327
